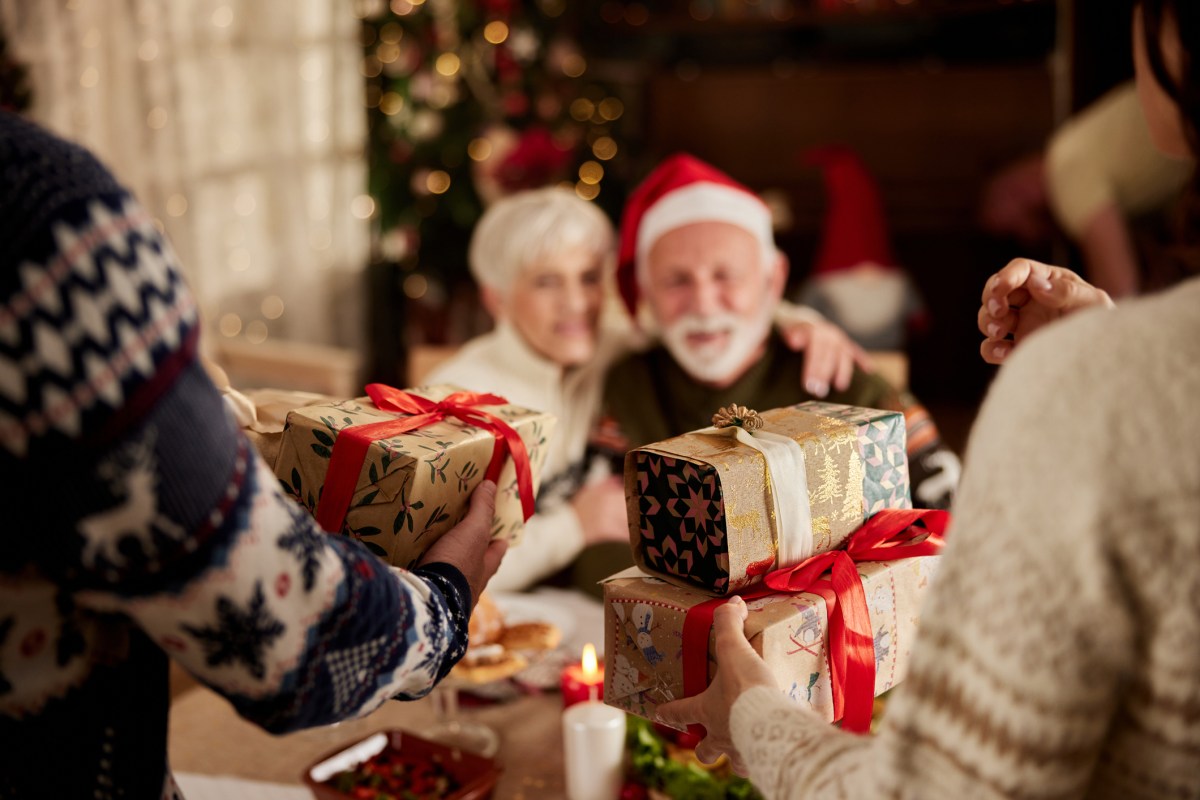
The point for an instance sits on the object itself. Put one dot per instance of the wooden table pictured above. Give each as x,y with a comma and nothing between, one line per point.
209,738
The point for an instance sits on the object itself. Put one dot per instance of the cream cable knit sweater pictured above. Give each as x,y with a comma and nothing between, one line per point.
1059,653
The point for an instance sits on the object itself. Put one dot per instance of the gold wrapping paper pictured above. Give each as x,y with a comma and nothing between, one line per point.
414,487
834,471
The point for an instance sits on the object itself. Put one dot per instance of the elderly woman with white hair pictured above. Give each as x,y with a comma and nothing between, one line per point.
542,260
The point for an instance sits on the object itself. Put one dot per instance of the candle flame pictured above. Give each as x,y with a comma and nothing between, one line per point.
589,660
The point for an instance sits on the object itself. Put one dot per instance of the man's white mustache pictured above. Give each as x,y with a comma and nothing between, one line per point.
689,326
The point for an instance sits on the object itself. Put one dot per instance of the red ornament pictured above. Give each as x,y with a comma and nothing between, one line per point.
632,790
536,161
496,8
516,104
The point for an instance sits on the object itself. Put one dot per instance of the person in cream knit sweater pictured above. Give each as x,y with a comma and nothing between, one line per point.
1059,646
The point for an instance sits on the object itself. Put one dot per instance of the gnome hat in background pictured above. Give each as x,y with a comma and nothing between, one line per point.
856,281
855,229
680,191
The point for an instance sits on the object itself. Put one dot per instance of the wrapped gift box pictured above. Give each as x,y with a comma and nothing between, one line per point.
700,505
644,618
414,486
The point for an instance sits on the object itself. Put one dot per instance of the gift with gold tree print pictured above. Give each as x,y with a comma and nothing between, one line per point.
396,469
719,507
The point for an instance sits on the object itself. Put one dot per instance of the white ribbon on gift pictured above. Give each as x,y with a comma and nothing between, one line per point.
792,520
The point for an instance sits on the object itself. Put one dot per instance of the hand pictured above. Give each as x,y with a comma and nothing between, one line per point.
738,668
1025,296
469,546
601,510
829,358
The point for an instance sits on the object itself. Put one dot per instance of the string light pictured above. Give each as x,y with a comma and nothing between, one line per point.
391,103
590,172
387,52
362,206
371,67
447,64
256,332
588,191
391,33
574,65
604,148
272,306
415,286
438,182
611,109
177,205
495,32
480,149
582,109
230,325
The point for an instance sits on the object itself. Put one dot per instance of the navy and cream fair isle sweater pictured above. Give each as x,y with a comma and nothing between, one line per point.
138,525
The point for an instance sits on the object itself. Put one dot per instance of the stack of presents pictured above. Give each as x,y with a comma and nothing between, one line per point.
803,511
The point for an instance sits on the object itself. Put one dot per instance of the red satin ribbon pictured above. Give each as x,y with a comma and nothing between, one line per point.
888,536
350,448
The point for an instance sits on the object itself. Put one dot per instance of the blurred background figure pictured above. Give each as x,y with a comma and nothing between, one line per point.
542,259
1104,175
1100,181
856,280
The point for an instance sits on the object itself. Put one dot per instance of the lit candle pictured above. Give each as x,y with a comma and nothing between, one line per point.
593,736
583,681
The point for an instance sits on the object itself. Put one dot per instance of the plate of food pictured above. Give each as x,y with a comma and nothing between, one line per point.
513,636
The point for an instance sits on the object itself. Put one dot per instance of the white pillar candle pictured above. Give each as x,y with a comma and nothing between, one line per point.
594,747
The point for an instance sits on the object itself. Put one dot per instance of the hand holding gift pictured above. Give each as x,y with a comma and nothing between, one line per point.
738,668
469,546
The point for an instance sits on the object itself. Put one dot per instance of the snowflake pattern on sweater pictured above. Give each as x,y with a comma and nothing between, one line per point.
140,526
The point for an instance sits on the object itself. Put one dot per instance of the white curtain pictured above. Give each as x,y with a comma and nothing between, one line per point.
241,125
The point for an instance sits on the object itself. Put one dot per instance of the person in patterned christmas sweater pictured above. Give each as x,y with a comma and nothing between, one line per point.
698,248
141,527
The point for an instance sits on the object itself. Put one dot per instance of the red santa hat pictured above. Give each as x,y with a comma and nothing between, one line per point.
855,231
682,190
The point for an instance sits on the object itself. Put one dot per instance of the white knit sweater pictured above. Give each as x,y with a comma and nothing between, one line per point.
1059,652
501,362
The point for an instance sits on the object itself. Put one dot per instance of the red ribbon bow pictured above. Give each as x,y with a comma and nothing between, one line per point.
888,536
350,448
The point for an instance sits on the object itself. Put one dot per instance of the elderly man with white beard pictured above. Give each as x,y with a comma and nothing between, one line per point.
699,266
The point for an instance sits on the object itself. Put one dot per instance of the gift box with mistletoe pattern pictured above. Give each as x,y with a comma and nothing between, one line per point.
701,510
414,486
644,623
